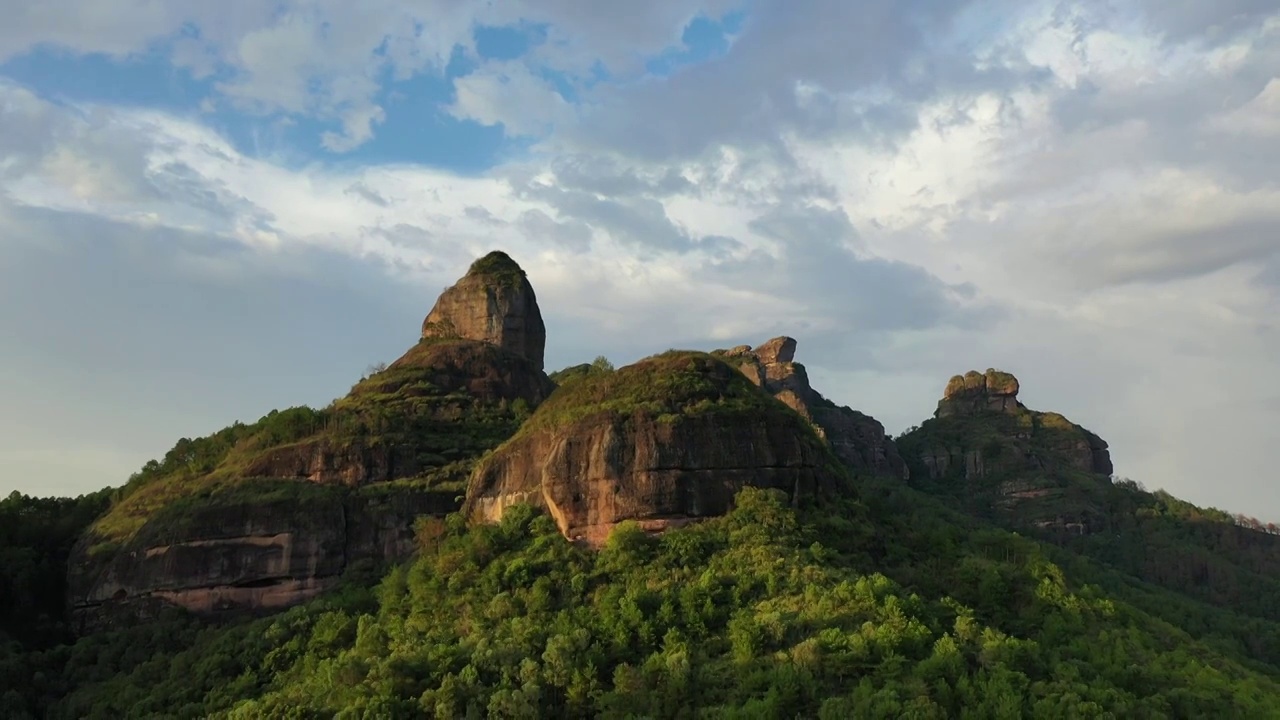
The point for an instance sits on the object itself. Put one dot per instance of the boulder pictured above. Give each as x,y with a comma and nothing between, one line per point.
975,392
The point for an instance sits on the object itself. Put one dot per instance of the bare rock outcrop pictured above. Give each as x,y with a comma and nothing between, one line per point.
253,548
492,303
665,441
856,438
975,392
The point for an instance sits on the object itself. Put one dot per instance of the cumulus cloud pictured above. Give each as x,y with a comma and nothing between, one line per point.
1081,193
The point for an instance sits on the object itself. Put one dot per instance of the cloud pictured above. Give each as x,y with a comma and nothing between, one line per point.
1081,193
1259,117
509,94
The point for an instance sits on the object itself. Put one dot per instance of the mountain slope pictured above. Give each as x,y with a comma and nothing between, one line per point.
264,516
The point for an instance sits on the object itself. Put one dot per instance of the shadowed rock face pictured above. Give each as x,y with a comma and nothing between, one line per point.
255,554
856,438
1039,466
987,403
492,303
665,441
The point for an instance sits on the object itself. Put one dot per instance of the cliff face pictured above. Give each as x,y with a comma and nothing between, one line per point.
493,303
859,440
278,510
985,446
259,546
665,441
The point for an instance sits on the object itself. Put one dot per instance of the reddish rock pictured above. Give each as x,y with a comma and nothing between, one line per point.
299,515
492,303
664,441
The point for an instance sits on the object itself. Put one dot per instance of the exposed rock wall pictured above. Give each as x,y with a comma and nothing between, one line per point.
252,555
856,438
492,303
660,465
1038,466
253,534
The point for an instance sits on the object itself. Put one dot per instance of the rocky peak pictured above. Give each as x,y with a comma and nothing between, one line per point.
856,438
664,441
976,392
492,303
778,350
992,451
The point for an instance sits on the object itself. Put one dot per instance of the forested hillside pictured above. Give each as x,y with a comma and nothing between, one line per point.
694,535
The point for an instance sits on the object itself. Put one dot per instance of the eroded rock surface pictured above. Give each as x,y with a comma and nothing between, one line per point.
857,438
258,553
492,303
665,441
975,392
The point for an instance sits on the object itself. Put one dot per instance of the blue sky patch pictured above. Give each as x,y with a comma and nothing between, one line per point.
417,129
703,39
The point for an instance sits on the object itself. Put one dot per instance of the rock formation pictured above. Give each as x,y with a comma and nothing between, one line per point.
492,303
1008,456
975,392
260,551
857,439
285,510
665,441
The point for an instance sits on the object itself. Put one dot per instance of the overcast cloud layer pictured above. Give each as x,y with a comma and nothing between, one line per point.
251,202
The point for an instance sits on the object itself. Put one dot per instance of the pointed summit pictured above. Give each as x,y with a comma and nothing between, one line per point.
492,303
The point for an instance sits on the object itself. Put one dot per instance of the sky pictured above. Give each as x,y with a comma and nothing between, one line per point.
210,210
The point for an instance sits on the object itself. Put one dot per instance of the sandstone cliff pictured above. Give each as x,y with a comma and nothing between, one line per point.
856,438
994,453
492,303
665,441
266,515
261,546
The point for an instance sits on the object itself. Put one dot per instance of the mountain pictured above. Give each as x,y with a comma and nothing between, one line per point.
267,515
697,534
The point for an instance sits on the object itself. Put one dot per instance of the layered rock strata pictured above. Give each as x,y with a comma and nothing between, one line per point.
665,441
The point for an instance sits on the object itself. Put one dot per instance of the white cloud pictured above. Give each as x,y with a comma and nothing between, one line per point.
1260,116
511,95
1083,196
